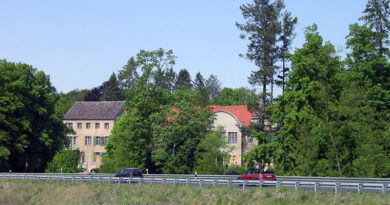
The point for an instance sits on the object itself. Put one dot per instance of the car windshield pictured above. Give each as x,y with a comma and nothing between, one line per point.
124,171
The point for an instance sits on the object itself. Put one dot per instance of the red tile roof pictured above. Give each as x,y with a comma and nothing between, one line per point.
239,111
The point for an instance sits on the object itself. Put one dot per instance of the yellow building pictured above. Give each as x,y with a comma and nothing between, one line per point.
92,123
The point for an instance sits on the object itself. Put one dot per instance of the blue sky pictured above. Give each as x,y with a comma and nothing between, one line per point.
80,43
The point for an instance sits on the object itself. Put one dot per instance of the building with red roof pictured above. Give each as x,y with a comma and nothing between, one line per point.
231,118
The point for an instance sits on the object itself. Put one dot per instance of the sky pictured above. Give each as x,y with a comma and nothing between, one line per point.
79,44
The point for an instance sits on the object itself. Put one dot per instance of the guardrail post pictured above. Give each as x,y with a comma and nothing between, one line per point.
214,182
109,180
200,183
261,183
315,186
163,181
72,179
119,181
174,182
277,184
384,187
296,186
360,186
229,183
336,187
82,179
243,184
187,182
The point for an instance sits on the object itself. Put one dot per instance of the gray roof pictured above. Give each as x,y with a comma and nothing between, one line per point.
95,110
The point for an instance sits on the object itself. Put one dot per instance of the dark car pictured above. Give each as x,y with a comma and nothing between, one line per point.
257,174
129,172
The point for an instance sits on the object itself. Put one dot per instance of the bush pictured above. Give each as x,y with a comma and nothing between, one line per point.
67,161
235,170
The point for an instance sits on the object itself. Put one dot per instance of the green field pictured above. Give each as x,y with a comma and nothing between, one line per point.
49,192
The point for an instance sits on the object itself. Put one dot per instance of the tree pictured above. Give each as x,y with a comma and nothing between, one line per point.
128,75
262,28
308,138
178,130
150,67
199,82
212,153
202,97
95,93
370,109
376,16
75,95
130,143
112,90
213,86
183,80
286,38
65,161
30,131
238,96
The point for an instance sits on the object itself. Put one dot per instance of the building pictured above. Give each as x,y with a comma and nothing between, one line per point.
231,118
92,122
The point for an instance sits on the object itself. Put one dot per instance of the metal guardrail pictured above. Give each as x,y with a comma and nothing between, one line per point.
303,185
227,177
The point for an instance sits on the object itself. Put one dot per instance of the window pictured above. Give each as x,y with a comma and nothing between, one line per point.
250,140
97,125
83,156
97,156
79,126
70,125
73,140
88,125
100,140
232,159
232,137
106,125
87,140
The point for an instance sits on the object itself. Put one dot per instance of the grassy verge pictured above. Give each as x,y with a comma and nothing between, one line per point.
38,192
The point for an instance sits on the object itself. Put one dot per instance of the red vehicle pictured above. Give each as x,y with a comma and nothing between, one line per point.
257,174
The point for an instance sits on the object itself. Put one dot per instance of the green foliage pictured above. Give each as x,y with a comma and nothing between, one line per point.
75,95
212,153
130,142
65,161
30,130
238,96
112,90
235,170
177,131
183,80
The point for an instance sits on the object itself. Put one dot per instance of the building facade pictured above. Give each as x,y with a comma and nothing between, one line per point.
93,122
231,118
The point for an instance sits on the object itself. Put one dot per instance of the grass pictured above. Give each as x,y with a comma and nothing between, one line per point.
50,192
